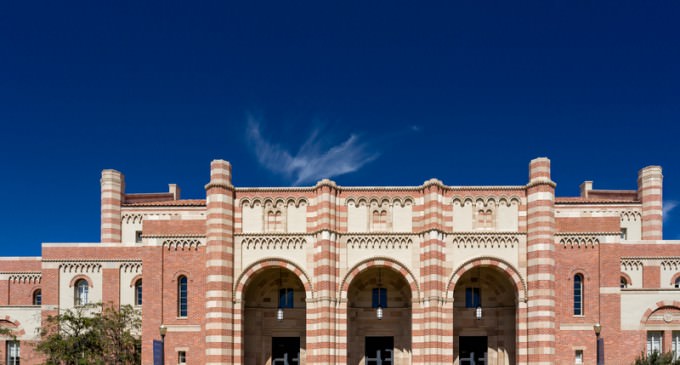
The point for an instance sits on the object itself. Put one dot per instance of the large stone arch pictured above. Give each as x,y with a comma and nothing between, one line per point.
380,262
241,287
497,343
358,327
258,266
497,263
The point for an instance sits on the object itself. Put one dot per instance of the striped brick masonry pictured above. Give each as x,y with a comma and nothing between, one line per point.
650,186
219,281
113,188
323,346
538,342
427,330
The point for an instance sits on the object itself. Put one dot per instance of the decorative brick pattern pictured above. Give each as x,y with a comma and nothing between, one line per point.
540,328
219,331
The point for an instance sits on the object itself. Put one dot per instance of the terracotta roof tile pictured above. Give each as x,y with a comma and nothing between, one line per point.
580,200
169,203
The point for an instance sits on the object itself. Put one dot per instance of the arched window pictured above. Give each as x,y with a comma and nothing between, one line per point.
81,290
624,282
182,308
578,295
379,220
677,283
37,297
138,292
485,219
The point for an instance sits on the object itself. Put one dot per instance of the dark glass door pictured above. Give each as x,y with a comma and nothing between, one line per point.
379,350
472,350
285,350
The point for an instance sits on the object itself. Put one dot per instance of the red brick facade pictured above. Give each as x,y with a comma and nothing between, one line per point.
434,244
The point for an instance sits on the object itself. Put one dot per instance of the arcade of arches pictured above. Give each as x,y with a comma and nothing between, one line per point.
490,339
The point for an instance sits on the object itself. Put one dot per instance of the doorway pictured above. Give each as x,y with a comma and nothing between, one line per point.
285,350
379,350
473,350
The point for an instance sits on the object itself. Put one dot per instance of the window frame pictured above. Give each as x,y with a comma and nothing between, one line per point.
138,292
81,290
578,297
379,297
286,298
181,357
650,346
182,296
578,356
473,297
37,297
9,345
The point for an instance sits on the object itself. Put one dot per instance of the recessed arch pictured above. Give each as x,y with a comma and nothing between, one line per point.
253,269
380,262
499,264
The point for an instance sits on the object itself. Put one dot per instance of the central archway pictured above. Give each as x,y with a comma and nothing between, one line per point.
486,295
386,335
274,318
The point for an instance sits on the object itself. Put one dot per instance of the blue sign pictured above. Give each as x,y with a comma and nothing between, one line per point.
157,352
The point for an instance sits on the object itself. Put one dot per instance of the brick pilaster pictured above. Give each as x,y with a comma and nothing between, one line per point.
219,281
650,186
323,345
427,327
112,190
540,332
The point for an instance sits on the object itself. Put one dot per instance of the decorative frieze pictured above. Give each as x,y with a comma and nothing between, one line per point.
578,240
477,240
380,242
286,242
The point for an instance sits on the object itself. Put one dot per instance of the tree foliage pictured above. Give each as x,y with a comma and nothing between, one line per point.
7,332
92,334
656,358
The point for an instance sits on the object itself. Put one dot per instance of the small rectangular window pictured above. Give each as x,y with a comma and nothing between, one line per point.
473,297
138,236
286,298
181,357
13,353
578,357
379,297
654,342
624,233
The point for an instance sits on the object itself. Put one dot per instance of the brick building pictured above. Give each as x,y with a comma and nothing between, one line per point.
327,274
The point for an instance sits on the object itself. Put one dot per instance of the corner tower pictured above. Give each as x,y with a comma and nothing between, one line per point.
113,190
219,321
540,309
650,186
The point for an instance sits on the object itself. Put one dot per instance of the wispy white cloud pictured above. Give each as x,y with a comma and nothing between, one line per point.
668,206
314,160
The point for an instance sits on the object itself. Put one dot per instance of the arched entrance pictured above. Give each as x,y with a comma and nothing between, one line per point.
485,302
379,302
274,318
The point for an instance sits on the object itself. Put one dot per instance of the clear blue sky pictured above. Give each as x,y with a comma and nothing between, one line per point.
371,93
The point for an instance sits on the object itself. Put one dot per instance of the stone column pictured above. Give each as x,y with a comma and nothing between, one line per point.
650,186
219,280
540,326
113,190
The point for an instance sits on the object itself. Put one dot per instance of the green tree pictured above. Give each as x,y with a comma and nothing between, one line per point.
92,334
656,358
